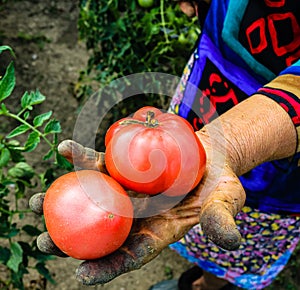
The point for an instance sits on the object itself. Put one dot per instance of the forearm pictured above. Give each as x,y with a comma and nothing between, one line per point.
255,131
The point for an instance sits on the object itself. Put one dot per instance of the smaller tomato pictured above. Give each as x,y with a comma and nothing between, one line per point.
88,214
146,3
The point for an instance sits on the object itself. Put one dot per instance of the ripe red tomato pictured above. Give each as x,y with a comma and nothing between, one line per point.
154,152
88,214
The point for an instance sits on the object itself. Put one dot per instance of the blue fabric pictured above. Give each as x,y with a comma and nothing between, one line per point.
213,29
230,33
293,69
273,186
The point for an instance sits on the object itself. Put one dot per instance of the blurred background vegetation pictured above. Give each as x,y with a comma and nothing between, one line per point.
127,37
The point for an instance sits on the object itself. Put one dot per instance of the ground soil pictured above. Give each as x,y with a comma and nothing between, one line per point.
49,57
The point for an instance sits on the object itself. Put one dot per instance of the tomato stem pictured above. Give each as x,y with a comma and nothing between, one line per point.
150,121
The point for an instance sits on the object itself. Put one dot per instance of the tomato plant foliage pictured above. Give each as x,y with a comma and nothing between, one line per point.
146,3
22,130
125,38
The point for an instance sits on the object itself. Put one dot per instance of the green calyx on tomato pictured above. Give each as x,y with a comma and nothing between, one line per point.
154,152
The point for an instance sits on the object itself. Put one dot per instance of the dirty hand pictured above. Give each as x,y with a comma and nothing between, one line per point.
255,131
150,235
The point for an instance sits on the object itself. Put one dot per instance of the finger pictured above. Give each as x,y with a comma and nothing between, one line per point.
147,239
36,203
218,212
126,259
81,156
46,245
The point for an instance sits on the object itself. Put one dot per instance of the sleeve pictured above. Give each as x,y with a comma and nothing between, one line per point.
285,90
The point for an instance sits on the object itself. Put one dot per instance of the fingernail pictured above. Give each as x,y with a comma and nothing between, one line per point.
46,245
36,203
69,148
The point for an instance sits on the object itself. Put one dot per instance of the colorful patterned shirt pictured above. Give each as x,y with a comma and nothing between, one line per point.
248,46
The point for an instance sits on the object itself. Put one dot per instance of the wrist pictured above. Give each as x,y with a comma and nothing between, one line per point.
255,131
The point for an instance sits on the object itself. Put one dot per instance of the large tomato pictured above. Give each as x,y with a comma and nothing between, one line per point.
88,214
154,152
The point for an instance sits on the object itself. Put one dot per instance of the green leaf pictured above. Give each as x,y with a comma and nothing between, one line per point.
48,155
31,230
47,178
4,254
40,119
30,99
13,231
18,131
7,83
6,47
16,257
32,141
63,162
121,24
26,115
41,268
13,143
16,153
53,126
4,157
25,100
21,170
3,110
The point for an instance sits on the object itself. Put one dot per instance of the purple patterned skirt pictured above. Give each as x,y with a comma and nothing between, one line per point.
268,242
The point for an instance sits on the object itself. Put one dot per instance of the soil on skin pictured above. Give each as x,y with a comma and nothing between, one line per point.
49,57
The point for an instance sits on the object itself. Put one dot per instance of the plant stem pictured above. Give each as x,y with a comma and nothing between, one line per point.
163,22
5,211
16,117
21,112
12,213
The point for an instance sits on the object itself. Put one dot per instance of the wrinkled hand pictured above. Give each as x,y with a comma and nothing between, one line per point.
214,203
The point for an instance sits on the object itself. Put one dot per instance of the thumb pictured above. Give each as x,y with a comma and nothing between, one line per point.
219,209
81,156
